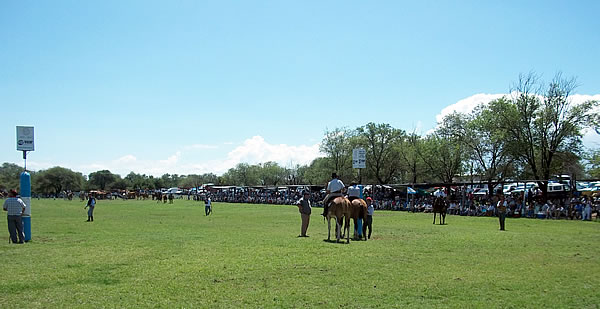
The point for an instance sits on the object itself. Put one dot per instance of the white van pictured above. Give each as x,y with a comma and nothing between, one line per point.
557,187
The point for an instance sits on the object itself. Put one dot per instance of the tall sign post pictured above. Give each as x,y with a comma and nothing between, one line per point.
25,144
359,161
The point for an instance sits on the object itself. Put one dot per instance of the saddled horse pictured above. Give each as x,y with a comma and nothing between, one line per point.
131,195
339,209
440,205
358,210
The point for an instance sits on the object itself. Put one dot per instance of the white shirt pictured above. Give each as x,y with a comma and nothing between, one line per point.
370,209
354,191
335,185
439,193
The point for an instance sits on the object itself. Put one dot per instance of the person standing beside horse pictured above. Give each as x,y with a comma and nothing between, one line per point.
369,220
305,210
91,203
334,189
14,207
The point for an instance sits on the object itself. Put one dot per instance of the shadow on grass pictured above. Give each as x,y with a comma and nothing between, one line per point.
341,242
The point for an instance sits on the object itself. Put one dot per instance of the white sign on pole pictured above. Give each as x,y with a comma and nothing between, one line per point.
25,139
359,158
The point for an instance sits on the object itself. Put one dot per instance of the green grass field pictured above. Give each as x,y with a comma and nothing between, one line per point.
143,254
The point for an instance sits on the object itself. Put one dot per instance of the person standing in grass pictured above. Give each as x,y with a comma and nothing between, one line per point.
91,203
14,207
502,205
369,221
305,210
207,206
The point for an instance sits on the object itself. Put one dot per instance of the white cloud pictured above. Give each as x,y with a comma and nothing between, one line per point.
466,105
127,159
253,150
256,150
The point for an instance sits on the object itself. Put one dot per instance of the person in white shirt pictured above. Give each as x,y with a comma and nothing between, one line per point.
587,211
334,189
353,191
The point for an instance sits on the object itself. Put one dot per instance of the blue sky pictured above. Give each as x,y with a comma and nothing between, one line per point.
196,86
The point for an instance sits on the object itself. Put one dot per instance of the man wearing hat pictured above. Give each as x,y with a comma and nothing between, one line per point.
14,207
334,189
305,209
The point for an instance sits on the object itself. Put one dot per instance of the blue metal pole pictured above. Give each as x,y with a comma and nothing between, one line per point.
26,197
360,223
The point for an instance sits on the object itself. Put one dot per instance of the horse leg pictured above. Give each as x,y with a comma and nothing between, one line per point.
434,217
338,229
329,229
444,216
348,237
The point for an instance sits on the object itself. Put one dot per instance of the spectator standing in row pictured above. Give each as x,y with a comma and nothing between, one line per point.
587,211
304,208
14,207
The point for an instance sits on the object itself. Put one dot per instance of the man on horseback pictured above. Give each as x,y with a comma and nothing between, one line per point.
353,191
334,189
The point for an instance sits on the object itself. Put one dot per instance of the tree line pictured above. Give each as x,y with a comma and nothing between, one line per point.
533,133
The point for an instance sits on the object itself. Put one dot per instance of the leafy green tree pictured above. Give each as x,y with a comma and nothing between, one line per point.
484,142
382,143
594,164
57,179
443,158
541,121
10,176
336,146
272,174
101,179
318,172
137,181
120,183
409,154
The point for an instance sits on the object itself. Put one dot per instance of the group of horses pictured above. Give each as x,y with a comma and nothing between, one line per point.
162,197
342,210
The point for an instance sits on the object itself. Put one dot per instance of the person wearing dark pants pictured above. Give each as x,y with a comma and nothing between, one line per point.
14,207
501,212
369,220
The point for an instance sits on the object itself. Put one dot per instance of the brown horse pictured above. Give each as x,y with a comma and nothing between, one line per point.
358,210
440,206
340,210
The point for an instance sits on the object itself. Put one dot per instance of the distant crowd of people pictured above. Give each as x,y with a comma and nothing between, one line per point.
581,208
